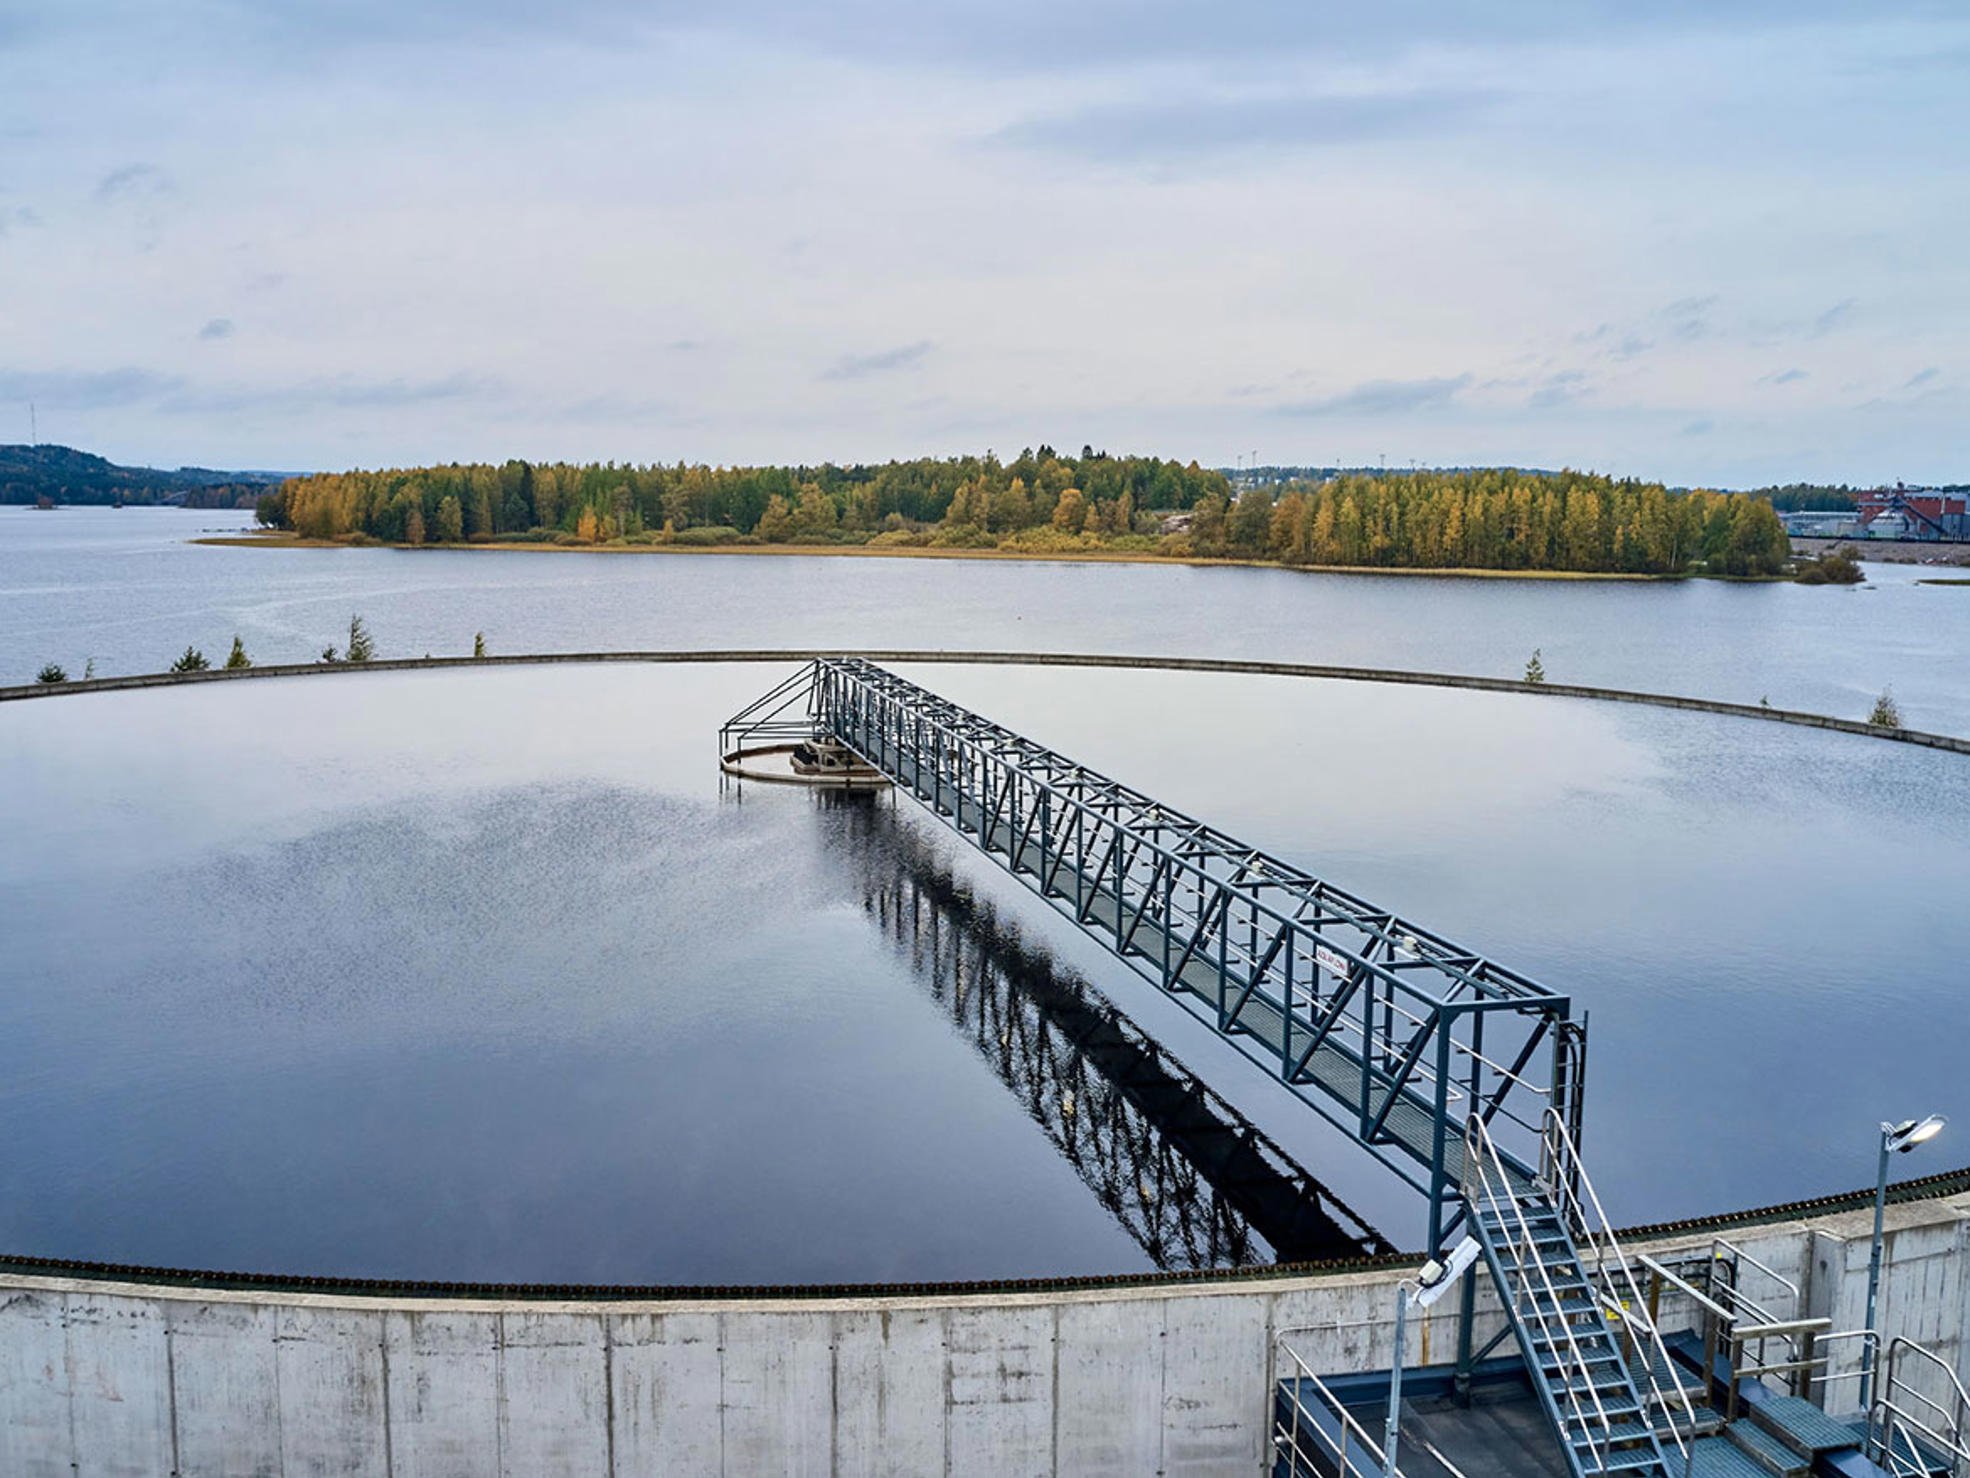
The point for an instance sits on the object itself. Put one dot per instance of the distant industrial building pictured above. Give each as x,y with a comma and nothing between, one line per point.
1899,512
1913,513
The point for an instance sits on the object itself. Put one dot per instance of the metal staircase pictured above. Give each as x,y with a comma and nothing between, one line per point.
1595,1359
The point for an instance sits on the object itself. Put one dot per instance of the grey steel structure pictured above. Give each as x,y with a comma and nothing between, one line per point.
1190,1178
1392,1033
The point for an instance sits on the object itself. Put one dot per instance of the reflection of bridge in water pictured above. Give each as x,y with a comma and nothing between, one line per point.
1194,1182
1463,1077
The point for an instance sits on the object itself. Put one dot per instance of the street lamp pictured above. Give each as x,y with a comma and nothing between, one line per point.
1896,1139
1433,1281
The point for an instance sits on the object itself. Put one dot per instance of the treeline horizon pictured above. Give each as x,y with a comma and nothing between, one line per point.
1042,502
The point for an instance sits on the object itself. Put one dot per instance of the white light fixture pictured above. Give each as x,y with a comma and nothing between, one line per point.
1906,1136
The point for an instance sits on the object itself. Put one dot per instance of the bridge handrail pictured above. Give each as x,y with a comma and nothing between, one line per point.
1500,982
1574,1193
1576,1369
1392,1033
1309,938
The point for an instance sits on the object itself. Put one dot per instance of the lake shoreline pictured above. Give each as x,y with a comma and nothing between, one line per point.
860,551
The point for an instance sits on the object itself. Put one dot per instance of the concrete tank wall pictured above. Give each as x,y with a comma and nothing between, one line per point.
120,1378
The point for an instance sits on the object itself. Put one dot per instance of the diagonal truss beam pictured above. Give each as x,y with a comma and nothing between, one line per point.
1390,1031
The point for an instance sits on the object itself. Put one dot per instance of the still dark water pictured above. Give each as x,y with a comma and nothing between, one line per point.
483,974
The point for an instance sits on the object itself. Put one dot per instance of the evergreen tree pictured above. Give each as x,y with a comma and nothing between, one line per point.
776,523
193,660
361,647
1535,670
53,672
237,658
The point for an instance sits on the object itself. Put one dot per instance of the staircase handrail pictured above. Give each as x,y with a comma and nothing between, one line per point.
1572,1173
1953,1440
1478,1148
1351,1431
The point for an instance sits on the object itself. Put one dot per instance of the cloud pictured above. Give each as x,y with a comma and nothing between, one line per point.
86,389
1380,398
1025,36
1558,390
133,182
1922,377
1161,129
14,218
1783,377
96,389
611,409
216,328
1688,318
1699,428
339,393
861,366
1832,318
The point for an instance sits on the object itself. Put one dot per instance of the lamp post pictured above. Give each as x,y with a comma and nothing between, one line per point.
1895,1139
1432,1282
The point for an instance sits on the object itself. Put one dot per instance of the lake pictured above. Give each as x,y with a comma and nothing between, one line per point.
486,974
123,586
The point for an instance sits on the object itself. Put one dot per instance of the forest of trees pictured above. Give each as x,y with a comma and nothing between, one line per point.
46,473
1042,502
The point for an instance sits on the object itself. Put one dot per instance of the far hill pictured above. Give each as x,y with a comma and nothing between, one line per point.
63,475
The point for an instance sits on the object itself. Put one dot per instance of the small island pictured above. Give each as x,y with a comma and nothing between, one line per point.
1045,505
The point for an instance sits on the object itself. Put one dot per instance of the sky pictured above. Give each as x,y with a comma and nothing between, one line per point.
1715,242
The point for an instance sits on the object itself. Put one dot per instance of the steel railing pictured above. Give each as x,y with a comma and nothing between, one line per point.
1390,1031
1909,1432
1489,1187
1325,1428
1621,1295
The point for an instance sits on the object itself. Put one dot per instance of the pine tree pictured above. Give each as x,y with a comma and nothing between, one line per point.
237,658
776,522
361,648
1887,713
1535,670
54,672
479,644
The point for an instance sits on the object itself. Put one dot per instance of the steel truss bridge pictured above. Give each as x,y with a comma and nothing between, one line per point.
1193,1181
1392,1033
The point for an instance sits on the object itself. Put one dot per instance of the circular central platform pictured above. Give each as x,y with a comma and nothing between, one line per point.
791,764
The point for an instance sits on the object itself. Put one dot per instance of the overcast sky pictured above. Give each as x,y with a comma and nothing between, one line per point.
1726,243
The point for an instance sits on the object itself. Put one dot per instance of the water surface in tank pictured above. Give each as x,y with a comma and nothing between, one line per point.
485,974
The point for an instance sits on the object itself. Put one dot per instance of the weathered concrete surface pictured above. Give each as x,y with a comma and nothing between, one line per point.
120,1378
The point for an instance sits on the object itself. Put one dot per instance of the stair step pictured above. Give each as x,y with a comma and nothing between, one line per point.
1709,1423
1802,1426
1719,1457
1584,1424
1767,1451
1646,1459
1615,1433
1596,1347
1610,1384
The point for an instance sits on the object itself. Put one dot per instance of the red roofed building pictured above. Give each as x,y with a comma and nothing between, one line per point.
1913,513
